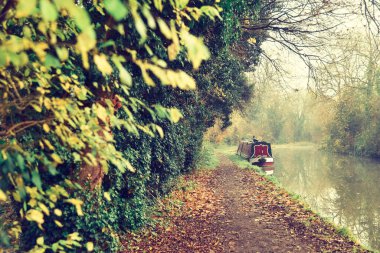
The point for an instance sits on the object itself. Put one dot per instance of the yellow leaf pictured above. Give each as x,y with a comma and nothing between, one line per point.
35,215
139,23
78,205
32,202
25,7
3,196
48,144
16,196
196,49
252,40
40,241
107,196
160,131
181,3
85,42
158,5
40,50
63,53
173,51
90,246
149,17
130,167
148,80
74,237
46,127
185,82
53,197
44,208
59,224
56,158
47,103
101,113
32,191
164,28
125,77
37,108
102,64
175,115
57,212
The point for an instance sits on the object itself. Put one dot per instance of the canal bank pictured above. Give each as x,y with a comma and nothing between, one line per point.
233,208
301,219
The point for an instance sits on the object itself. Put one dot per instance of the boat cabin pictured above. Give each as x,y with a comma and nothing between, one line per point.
257,152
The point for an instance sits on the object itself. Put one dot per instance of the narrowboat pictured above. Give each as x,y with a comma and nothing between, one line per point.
256,152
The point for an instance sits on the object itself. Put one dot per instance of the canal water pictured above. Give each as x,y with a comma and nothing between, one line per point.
344,189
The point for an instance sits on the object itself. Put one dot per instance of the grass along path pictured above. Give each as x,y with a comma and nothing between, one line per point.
230,209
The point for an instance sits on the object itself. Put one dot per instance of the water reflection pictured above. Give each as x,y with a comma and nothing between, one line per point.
268,170
342,188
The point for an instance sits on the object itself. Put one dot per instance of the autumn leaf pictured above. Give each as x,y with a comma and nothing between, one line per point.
78,205
102,64
35,215
3,196
107,196
25,7
90,246
56,158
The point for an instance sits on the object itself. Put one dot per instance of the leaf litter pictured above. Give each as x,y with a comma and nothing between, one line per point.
230,209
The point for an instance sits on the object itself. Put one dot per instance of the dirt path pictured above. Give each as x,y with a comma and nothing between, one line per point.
246,226
236,210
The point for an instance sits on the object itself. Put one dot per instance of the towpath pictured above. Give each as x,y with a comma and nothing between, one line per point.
236,210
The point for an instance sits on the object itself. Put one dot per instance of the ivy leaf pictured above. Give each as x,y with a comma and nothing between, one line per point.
116,8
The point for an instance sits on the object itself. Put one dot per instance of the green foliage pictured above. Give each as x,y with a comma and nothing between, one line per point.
66,68
99,112
355,129
207,157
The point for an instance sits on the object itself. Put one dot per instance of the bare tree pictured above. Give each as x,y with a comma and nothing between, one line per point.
307,29
371,10
353,62
299,26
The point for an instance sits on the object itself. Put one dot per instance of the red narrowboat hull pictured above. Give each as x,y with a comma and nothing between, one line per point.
257,153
